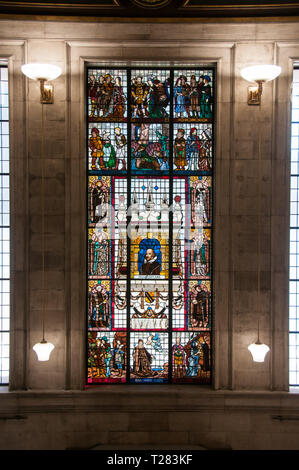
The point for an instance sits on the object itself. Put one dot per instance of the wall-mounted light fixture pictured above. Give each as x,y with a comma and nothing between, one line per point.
43,73
259,74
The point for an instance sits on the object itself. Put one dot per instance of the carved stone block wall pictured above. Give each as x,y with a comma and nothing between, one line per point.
228,45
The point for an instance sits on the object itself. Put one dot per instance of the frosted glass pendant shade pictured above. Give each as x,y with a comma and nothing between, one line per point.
258,351
37,71
43,350
260,73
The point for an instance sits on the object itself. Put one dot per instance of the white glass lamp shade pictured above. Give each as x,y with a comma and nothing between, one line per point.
43,350
260,73
37,71
258,351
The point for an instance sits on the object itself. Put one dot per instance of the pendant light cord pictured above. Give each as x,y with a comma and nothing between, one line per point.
43,223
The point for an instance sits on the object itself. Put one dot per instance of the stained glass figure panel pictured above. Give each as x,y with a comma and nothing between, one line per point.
149,357
150,94
192,95
191,305
191,357
200,254
150,146
200,199
199,305
100,305
107,146
99,254
107,303
193,147
107,357
107,94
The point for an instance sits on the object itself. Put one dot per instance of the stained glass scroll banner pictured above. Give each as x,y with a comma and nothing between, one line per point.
149,163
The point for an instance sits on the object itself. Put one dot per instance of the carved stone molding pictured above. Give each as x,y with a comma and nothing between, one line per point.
150,8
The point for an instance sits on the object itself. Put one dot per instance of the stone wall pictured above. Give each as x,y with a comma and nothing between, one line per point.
157,417
230,46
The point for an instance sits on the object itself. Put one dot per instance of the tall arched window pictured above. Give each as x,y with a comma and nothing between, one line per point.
294,237
4,228
150,178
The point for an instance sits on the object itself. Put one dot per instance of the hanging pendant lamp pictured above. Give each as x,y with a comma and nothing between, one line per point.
258,349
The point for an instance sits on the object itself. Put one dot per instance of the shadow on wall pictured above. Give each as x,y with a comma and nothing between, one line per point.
168,447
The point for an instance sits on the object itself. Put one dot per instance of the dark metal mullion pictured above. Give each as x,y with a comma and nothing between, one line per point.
212,200
170,228
87,223
128,222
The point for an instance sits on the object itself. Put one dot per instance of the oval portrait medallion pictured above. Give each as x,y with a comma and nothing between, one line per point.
151,3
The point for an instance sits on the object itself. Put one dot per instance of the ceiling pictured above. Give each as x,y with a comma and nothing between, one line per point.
151,8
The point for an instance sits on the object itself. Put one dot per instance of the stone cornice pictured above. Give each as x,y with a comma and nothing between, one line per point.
19,404
148,8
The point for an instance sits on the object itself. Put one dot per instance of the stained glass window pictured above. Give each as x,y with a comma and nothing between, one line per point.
150,152
4,228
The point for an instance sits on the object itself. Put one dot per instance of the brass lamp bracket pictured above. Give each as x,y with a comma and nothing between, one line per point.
46,92
255,93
